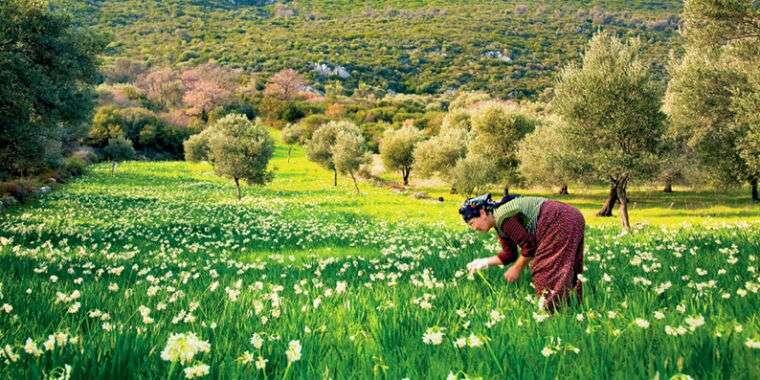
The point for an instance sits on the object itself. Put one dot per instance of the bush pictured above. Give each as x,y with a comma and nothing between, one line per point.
20,189
118,149
7,201
196,147
73,166
86,154
241,107
309,124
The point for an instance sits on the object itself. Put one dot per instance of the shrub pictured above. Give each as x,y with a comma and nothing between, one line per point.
196,147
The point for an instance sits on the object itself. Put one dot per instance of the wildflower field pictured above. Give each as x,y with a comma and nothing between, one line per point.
157,271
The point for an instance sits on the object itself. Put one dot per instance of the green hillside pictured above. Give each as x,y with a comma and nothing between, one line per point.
511,49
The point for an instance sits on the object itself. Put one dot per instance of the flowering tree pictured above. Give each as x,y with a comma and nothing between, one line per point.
287,84
162,86
207,86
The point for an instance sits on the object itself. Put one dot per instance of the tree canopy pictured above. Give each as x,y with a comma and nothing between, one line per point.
47,68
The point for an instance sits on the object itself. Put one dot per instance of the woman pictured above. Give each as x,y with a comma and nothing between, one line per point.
550,236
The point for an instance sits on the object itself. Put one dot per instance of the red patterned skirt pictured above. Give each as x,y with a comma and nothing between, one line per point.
559,255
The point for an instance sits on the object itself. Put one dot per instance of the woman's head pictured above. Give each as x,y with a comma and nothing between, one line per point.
477,212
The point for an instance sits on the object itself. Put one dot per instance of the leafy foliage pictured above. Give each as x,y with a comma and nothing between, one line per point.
47,69
397,149
239,149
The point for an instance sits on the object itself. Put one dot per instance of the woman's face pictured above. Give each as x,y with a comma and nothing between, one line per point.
482,223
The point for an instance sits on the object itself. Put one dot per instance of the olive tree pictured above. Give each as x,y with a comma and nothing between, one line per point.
291,135
397,149
240,149
118,149
349,153
308,125
547,159
497,128
610,108
439,154
712,98
472,174
320,147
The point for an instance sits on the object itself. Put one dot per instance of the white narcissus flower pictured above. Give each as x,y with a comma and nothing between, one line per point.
643,323
30,347
695,321
197,370
261,363
294,351
257,341
433,336
340,287
49,344
145,314
245,358
183,347
474,341
74,308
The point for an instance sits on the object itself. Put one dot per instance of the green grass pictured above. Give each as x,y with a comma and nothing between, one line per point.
170,236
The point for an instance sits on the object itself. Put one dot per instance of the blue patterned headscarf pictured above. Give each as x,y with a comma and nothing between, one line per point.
472,206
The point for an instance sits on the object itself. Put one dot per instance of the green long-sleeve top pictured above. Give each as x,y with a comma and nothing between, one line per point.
527,207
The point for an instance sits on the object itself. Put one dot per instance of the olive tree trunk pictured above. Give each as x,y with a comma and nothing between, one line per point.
335,177
668,187
612,199
237,184
753,183
563,190
621,187
354,179
113,166
405,171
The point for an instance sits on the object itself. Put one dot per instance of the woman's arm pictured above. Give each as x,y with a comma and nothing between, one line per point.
514,229
513,273
508,252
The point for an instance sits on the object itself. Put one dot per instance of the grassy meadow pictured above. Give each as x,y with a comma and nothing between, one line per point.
157,271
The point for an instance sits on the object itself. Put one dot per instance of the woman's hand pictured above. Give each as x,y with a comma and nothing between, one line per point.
513,273
478,264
